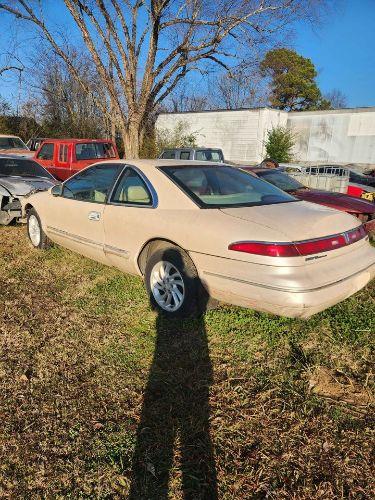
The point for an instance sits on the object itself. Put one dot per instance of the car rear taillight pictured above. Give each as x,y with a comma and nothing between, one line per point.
320,245
356,234
300,248
269,249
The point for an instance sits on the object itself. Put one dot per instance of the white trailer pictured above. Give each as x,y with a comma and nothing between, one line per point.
341,136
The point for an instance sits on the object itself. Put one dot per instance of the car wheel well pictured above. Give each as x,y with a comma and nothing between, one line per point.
28,207
149,248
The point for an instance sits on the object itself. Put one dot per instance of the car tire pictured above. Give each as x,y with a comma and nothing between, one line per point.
173,284
37,236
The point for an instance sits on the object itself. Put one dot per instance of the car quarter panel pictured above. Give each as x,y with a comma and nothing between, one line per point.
281,274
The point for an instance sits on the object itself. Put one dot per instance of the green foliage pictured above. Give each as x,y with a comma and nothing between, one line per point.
279,144
178,137
292,81
5,110
165,138
21,126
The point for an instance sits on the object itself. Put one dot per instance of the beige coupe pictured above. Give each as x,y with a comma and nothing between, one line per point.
190,228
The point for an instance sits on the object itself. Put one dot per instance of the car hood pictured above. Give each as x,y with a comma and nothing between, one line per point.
296,221
337,200
21,186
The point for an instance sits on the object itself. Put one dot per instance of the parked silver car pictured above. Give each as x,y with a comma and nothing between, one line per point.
19,177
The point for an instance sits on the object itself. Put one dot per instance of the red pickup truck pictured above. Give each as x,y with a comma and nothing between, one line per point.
64,157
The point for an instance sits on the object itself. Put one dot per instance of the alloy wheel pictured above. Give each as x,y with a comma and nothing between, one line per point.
167,286
34,230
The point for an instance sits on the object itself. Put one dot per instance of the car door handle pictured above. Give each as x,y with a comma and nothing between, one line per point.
94,216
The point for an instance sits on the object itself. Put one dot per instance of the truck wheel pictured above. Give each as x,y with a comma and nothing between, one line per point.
173,284
36,234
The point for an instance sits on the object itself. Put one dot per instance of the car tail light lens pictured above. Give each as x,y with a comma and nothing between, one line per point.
321,245
268,249
300,248
356,234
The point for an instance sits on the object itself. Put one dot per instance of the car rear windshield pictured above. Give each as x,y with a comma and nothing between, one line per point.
224,186
22,168
11,143
280,180
94,150
209,155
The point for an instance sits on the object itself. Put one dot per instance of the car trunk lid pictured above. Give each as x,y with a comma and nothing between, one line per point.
296,221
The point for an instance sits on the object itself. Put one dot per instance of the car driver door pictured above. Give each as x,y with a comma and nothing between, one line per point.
129,209
77,218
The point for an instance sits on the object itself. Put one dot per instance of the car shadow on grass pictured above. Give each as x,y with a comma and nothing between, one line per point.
173,436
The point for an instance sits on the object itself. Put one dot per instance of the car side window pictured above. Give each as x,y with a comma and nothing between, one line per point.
132,190
46,152
184,155
169,155
92,184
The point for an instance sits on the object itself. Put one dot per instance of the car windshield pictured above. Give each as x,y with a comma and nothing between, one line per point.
280,180
93,150
11,143
224,186
22,168
359,178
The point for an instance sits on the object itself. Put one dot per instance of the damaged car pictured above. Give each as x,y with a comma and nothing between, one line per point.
19,177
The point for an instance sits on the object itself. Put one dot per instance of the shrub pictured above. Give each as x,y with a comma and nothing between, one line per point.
279,144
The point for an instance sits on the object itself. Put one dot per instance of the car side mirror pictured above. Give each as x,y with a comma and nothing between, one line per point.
57,190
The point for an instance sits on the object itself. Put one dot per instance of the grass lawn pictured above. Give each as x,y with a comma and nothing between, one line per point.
100,398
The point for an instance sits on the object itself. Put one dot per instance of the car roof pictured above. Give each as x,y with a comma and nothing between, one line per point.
257,169
74,141
160,162
9,135
293,165
15,157
189,148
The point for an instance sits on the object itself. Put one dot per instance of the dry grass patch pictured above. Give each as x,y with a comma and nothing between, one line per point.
100,398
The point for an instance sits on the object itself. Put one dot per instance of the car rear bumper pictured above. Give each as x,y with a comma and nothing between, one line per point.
294,291
296,303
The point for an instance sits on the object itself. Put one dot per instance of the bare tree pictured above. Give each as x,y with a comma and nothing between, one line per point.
64,108
153,44
337,99
185,100
3,69
242,88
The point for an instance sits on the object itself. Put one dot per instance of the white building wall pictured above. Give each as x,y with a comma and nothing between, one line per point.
339,136
239,133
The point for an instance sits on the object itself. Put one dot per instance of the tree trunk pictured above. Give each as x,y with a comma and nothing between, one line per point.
131,135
